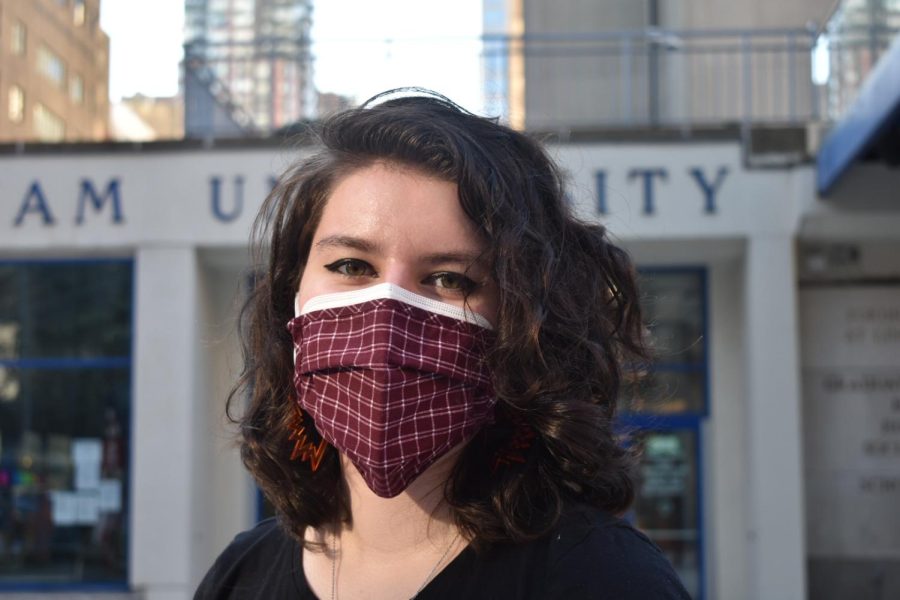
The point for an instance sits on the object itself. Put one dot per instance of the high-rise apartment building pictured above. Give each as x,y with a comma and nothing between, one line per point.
504,76
54,71
248,65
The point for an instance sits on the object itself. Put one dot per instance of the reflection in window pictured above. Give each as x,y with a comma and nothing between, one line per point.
64,417
16,104
47,125
663,390
663,408
78,13
55,314
666,508
52,66
18,39
674,306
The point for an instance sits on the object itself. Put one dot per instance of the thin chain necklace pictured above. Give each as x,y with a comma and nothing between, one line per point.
418,591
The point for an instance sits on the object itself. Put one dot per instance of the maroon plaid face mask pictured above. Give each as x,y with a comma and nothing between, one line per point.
392,379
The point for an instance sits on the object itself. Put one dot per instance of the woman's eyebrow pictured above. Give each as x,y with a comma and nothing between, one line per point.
346,241
466,258
435,258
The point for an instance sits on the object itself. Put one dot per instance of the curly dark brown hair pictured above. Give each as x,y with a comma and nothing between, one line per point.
568,324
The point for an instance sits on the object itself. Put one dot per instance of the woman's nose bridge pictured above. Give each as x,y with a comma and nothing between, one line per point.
404,272
400,273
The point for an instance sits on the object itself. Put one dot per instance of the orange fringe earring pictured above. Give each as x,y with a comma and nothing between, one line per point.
304,448
515,451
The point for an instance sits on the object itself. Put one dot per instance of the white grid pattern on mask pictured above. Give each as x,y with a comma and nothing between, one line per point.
391,385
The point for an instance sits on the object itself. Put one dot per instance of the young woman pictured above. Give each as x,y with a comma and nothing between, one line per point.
434,356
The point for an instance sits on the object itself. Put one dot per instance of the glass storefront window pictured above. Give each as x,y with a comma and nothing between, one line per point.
668,392
666,508
662,410
674,306
65,370
66,310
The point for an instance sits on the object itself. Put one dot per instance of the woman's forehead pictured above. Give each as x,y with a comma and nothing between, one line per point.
384,205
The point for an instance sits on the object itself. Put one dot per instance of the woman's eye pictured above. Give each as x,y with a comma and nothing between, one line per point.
453,282
351,267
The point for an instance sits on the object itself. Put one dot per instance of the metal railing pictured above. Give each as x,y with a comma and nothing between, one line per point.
653,77
645,78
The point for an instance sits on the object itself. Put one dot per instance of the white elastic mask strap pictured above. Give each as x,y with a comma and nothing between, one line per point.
391,292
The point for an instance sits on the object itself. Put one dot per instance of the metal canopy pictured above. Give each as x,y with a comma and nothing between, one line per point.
871,126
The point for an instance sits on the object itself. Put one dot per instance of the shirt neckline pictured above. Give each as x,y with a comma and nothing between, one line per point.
301,584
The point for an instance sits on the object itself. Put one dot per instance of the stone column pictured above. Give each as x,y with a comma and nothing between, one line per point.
776,546
164,423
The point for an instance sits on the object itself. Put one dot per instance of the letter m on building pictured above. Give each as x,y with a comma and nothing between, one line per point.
88,195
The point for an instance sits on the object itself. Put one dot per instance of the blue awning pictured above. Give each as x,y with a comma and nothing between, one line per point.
874,114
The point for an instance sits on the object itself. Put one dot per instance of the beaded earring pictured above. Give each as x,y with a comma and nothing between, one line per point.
304,448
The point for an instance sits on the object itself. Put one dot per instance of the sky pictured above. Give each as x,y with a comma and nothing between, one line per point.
361,47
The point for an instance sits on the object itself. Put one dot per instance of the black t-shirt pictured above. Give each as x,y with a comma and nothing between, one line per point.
588,555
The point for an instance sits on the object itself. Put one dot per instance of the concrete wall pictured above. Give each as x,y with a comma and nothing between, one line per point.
850,332
567,86
706,14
